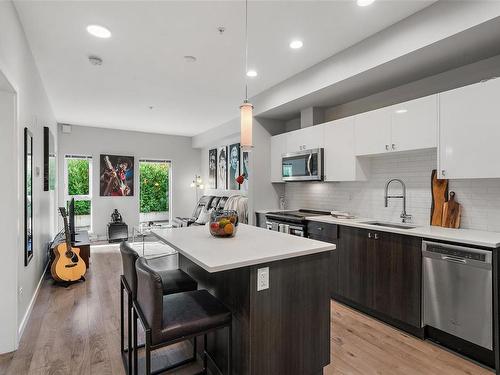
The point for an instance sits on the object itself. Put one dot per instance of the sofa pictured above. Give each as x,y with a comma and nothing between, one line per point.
208,201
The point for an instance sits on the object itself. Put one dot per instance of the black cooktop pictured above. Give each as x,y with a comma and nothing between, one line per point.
297,215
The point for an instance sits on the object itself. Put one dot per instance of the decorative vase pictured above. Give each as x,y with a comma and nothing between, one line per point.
223,223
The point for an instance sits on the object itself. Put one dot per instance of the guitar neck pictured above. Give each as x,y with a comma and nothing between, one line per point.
67,234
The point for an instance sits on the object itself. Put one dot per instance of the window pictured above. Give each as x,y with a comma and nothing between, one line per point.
78,181
154,201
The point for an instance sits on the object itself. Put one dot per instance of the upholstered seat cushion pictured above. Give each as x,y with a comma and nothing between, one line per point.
175,281
189,313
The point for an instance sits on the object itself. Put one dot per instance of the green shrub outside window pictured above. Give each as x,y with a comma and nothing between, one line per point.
79,183
154,186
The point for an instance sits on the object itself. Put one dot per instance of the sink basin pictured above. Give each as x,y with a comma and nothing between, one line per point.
390,225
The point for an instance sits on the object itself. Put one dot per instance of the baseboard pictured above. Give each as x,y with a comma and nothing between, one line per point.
26,316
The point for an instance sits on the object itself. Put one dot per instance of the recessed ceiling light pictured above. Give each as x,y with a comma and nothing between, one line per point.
98,31
401,111
364,3
252,73
296,44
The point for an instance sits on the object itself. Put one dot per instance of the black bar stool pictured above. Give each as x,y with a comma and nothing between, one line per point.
173,281
168,319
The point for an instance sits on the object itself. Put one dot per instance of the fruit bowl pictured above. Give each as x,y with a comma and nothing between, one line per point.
223,223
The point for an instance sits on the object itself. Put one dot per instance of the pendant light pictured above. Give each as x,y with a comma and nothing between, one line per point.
246,108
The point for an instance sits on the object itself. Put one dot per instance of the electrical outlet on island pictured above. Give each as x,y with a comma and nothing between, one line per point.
262,279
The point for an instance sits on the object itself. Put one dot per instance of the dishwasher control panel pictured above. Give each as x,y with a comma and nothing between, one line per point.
481,257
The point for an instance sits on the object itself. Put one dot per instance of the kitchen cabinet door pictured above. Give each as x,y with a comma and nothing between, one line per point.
278,147
397,276
414,124
341,163
373,132
469,130
327,233
305,139
355,265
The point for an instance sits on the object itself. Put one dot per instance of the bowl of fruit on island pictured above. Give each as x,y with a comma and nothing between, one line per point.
223,223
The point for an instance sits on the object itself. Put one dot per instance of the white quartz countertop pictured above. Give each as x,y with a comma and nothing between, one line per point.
465,236
250,246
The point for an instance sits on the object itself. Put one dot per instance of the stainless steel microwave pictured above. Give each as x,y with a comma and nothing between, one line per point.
304,165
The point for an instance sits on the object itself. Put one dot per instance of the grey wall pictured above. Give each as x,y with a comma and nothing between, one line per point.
91,141
32,110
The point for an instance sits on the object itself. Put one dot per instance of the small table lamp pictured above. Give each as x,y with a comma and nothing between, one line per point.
197,184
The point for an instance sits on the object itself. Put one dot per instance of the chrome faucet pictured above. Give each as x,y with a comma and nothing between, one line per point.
404,216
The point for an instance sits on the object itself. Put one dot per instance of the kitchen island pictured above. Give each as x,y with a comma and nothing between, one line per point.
281,329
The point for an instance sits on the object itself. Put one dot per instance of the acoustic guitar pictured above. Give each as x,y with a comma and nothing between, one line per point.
67,265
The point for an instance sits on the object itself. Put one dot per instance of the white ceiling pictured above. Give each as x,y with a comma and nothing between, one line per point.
144,65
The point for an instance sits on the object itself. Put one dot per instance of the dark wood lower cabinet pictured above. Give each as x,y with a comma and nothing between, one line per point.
397,270
328,233
381,272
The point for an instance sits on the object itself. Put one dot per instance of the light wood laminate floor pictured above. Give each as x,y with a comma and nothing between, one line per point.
75,330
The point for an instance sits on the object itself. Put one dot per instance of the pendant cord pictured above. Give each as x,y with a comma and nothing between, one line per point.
246,50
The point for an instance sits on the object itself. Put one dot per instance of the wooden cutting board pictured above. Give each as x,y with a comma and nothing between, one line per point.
439,197
452,211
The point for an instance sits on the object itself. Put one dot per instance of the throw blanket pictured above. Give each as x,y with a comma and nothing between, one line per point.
238,203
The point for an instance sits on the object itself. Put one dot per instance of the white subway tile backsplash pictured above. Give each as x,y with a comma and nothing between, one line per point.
480,198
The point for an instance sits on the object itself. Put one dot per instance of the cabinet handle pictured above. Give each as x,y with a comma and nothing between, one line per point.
369,235
376,236
387,147
443,172
393,146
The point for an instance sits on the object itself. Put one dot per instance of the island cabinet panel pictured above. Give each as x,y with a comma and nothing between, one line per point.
381,273
284,329
290,321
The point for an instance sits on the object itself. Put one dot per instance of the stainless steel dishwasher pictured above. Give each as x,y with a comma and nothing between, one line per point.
457,291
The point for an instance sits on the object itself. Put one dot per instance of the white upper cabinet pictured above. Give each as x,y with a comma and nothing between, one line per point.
469,131
372,132
341,163
278,148
305,139
414,124
406,126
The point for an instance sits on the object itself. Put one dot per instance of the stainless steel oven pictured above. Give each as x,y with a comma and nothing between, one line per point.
291,222
304,165
284,227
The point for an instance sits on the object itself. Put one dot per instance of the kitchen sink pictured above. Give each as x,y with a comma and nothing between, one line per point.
389,225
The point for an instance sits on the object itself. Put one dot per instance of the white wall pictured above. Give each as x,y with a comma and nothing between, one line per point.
33,111
480,199
91,141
